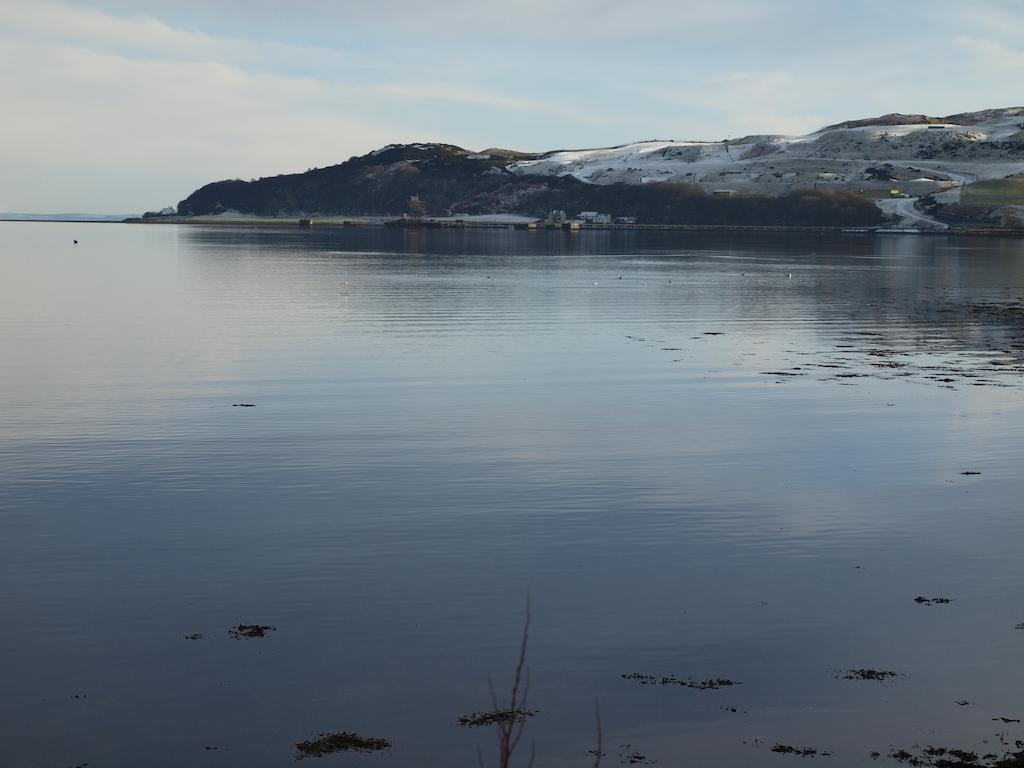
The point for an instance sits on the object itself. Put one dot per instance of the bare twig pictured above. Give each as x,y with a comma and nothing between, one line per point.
599,752
510,716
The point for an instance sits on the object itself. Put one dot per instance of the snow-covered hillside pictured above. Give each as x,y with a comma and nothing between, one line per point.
919,156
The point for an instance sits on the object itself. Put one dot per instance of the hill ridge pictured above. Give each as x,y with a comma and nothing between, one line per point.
917,154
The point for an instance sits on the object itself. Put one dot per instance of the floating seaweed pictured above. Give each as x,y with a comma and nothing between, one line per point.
250,630
343,741
493,717
949,757
629,756
700,685
867,674
786,749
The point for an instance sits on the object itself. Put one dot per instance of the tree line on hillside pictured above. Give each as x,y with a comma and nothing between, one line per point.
679,203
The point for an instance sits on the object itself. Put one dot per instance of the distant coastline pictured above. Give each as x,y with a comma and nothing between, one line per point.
492,223
513,222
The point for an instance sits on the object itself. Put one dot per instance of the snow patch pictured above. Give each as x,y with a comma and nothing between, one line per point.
774,164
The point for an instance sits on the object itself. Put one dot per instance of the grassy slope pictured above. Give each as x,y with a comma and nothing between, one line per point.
1008,191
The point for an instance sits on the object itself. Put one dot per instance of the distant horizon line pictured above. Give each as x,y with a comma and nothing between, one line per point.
81,217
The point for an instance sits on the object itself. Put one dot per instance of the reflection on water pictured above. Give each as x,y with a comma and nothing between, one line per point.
704,457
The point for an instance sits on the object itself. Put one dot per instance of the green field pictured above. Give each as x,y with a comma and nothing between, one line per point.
996,192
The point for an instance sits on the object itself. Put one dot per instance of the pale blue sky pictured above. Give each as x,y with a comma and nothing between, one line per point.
118,106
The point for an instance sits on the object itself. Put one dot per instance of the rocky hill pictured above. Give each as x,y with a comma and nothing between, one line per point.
450,181
918,151
826,177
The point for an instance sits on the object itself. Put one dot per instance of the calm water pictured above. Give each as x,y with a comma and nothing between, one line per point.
446,422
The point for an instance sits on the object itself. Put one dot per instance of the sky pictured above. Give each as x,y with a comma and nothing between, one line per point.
122,106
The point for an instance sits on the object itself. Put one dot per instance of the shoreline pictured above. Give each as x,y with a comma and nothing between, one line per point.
377,222
542,226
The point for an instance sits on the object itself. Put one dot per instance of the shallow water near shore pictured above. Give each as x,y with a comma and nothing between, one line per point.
703,456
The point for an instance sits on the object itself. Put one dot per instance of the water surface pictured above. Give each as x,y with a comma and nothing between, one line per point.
701,455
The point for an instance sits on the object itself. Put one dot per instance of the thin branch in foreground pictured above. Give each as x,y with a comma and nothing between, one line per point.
508,716
599,752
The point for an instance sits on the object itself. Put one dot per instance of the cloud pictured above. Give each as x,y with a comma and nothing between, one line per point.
92,125
153,38
993,17
472,96
568,21
135,113
150,39
736,92
759,102
991,55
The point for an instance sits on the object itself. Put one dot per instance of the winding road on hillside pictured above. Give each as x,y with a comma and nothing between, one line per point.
908,214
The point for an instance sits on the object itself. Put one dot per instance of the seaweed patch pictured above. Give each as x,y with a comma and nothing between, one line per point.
710,684
250,630
343,741
494,717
